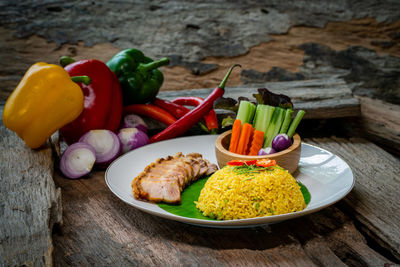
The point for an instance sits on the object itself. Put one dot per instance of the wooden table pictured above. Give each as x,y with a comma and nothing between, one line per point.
47,219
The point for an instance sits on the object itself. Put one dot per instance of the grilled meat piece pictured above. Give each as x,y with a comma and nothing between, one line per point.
165,179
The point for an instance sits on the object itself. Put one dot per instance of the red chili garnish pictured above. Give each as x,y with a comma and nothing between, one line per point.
265,162
250,162
238,162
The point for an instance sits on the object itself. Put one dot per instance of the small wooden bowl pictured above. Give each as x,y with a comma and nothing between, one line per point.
288,158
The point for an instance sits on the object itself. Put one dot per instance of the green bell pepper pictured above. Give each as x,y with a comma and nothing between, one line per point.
138,75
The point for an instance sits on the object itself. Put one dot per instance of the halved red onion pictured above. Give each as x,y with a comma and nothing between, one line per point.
134,121
77,160
132,138
266,151
105,143
281,142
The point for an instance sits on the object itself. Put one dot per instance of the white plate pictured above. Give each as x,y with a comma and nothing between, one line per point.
327,177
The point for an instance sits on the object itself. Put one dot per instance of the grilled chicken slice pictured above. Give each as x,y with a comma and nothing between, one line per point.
165,179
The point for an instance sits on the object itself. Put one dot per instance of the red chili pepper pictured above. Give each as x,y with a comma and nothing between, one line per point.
151,111
103,100
189,119
176,110
210,119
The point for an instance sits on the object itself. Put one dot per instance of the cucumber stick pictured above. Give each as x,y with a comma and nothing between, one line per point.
274,126
246,112
286,121
295,123
263,117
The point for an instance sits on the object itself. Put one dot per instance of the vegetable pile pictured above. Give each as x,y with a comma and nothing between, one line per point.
97,107
264,129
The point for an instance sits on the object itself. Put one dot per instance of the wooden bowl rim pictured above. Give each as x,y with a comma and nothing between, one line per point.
220,147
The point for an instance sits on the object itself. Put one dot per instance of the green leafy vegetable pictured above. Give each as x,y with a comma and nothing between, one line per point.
187,208
305,192
228,121
229,103
266,97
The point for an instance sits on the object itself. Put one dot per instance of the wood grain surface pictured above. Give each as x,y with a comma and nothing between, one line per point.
336,60
374,202
99,229
380,122
320,98
30,202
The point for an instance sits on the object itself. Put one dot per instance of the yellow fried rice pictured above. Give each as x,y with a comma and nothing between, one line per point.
230,194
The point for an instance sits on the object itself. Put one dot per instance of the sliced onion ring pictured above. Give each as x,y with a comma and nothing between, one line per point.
105,143
266,151
134,121
77,160
132,138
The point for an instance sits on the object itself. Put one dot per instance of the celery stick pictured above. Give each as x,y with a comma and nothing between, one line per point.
295,123
263,117
261,121
246,112
252,113
271,110
274,126
286,121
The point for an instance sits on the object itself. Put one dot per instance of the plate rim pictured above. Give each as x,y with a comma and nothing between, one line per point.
238,223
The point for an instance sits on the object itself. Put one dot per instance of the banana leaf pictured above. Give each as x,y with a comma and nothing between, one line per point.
188,209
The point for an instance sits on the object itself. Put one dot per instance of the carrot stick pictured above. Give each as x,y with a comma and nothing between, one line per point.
237,125
244,138
246,152
256,143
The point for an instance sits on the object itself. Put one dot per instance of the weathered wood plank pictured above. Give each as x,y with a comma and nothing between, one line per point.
320,98
97,225
380,122
30,202
374,201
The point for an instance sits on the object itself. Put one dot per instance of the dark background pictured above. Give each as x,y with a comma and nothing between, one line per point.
273,40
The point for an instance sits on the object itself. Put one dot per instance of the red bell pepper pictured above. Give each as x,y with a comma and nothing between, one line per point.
103,100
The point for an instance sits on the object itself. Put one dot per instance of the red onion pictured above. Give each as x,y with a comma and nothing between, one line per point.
281,142
266,151
132,138
77,160
105,143
134,121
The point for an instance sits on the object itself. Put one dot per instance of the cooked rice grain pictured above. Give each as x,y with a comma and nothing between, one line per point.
228,195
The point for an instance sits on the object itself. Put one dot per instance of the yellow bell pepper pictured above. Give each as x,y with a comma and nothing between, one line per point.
45,100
